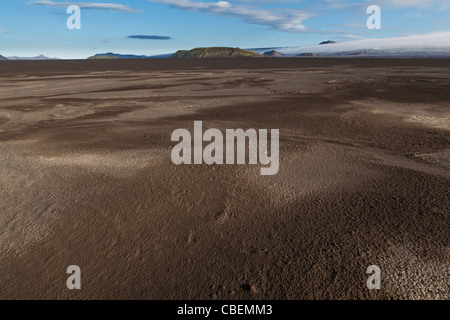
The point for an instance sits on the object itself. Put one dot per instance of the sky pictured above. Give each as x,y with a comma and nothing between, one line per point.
149,27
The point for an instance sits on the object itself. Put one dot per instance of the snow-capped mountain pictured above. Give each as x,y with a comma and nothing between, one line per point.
426,46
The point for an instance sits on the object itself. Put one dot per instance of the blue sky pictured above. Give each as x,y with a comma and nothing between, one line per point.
32,27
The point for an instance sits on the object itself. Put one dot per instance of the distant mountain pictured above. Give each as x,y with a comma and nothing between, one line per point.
215,52
273,53
430,45
396,53
161,56
327,42
383,53
308,54
110,55
101,56
40,57
262,50
3,58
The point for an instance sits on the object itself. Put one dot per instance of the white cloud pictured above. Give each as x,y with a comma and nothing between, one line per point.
440,4
86,5
278,19
416,3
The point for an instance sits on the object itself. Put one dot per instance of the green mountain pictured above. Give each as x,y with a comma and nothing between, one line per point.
3,58
215,52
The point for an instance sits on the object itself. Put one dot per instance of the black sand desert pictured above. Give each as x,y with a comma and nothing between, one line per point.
86,179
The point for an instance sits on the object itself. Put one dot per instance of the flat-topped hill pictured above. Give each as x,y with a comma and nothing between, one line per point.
215,52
